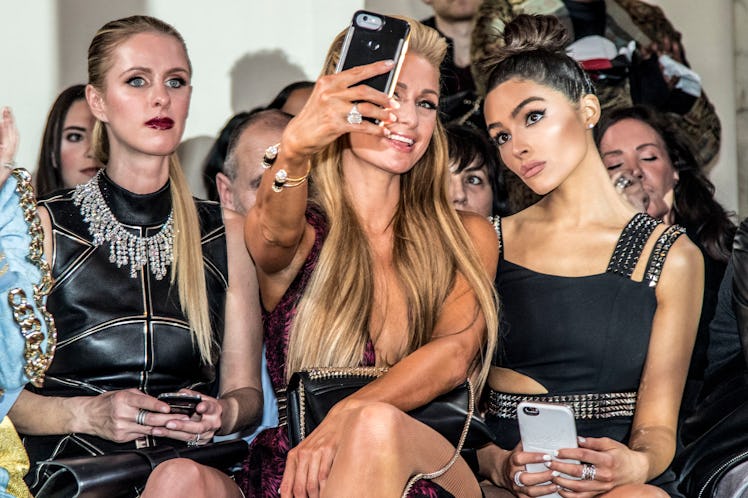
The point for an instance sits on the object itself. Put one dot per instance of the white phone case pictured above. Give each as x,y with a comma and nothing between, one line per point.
544,428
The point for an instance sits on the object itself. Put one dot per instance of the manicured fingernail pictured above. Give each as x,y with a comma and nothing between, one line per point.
547,458
171,425
394,104
387,132
555,473
389,63
157,432
581,439
393,118
555,453
548,464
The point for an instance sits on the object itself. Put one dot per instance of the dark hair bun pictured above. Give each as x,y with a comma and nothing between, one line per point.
528,32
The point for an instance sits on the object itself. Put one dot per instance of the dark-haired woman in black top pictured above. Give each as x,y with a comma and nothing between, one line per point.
596,313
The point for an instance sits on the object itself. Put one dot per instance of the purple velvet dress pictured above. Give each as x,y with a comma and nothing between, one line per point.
262,471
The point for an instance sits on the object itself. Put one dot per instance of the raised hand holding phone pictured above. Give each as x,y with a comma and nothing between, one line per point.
371,38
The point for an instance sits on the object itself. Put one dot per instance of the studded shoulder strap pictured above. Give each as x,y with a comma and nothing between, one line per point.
496,222
630,244
659,253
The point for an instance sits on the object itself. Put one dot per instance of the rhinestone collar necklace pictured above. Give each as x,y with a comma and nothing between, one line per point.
125,248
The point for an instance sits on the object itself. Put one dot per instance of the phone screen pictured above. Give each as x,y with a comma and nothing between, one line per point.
371,38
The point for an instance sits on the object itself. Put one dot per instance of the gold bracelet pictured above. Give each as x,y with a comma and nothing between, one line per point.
282,180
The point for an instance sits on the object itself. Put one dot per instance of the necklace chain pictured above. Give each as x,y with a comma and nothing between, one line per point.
124,247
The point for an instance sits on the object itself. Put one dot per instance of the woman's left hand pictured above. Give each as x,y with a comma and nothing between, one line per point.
200,428
606,464
308,464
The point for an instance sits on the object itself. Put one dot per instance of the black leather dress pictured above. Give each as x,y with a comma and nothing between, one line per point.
117,332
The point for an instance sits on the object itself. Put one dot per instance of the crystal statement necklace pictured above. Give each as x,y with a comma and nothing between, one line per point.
124,247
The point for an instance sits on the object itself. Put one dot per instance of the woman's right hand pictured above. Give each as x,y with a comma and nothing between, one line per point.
505,468
630,187
114,415
324,117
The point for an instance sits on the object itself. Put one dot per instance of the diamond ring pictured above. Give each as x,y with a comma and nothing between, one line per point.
354,116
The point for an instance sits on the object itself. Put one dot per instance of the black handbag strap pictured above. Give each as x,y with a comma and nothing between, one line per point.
156,454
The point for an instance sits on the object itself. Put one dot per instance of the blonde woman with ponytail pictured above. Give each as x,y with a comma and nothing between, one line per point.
144,276
368,264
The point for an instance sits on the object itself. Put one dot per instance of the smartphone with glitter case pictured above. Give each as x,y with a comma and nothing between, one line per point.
375,37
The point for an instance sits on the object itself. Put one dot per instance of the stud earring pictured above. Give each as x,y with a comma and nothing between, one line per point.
590,126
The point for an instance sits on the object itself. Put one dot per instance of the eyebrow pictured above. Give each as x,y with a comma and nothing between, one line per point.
517,110
73,127
427,90
149,71
618,152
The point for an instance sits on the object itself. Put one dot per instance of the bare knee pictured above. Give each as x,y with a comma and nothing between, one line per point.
377,426
638,490
177,477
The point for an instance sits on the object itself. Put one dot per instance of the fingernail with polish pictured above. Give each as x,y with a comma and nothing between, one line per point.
555,453
171,425
548,464
555,473
394,104
547,457
387,132
393,118
581,439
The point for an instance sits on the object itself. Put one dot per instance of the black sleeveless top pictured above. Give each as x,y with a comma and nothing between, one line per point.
581,335
116,332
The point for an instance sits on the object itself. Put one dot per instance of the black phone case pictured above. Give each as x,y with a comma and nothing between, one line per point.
183,405
364,46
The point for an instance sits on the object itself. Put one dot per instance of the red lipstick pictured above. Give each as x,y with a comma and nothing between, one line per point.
160,123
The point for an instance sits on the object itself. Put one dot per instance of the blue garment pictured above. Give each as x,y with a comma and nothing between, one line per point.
17,271
269,408
19,274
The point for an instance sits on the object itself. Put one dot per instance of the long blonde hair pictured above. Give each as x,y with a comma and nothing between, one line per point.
431,246
187,268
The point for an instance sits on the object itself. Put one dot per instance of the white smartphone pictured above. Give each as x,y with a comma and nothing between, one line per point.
544,428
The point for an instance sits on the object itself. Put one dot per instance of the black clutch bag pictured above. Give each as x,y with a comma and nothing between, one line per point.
122,473
312,393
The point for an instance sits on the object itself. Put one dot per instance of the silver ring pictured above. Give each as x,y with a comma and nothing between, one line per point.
140,417
354,117
622,183
194,442
517,475
588,472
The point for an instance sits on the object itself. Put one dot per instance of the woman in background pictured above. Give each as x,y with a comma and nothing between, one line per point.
66,158
477,182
